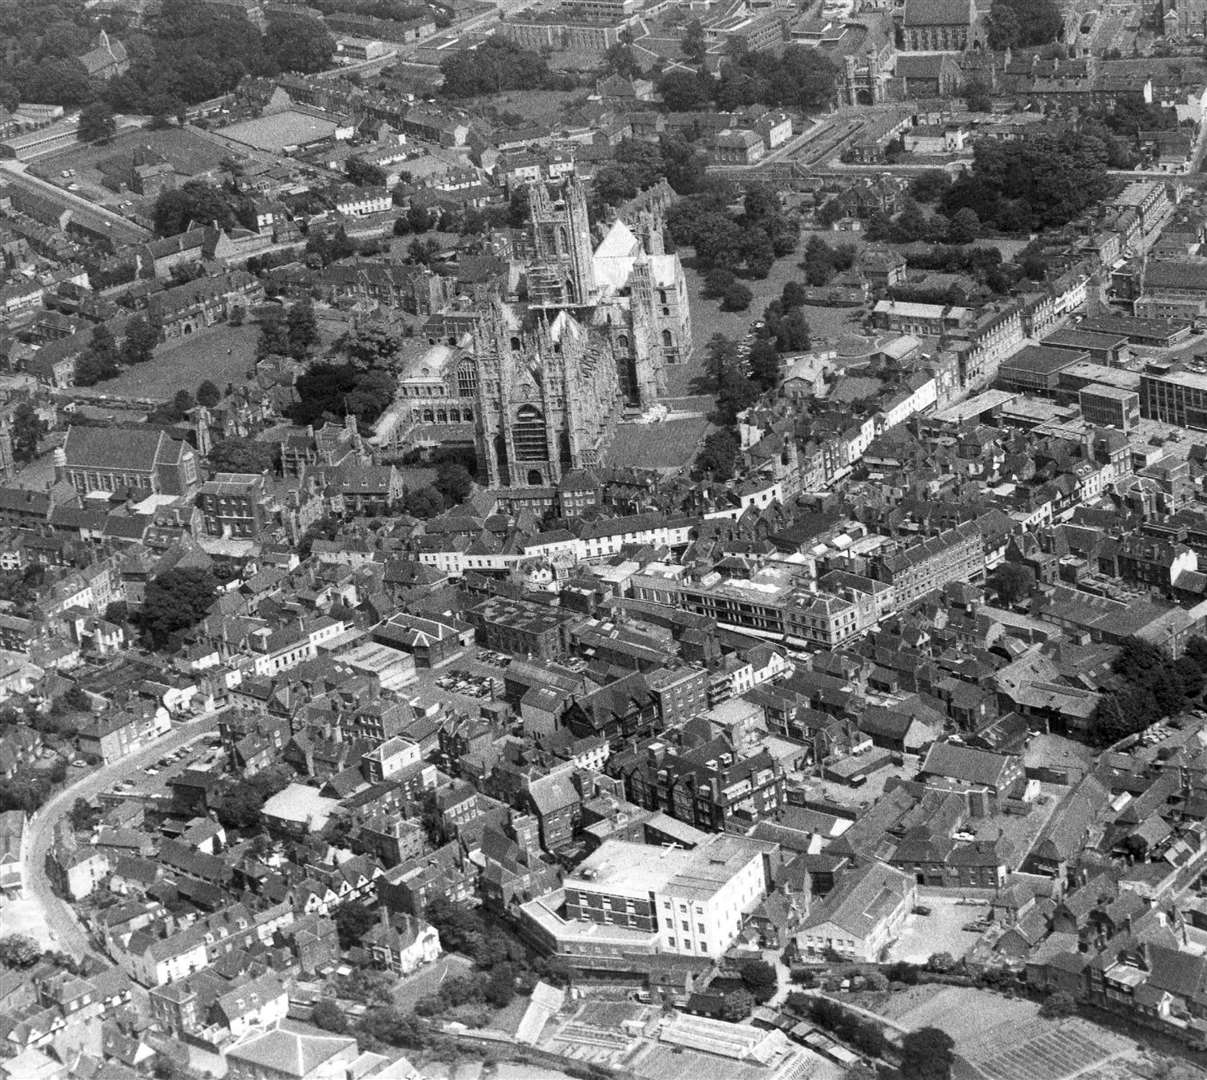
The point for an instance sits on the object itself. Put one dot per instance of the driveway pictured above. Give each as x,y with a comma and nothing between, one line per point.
40,907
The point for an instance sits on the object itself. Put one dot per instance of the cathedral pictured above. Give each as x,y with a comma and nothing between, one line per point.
590,332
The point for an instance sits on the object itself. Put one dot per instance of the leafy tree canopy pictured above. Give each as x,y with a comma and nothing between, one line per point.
175,601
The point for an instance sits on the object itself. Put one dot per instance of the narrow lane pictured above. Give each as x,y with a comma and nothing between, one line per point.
65,930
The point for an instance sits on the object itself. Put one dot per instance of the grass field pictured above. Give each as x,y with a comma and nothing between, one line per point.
709,319
187,153
183,364
535,106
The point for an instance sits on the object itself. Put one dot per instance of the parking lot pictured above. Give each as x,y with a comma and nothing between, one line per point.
203,754
462,681
941,931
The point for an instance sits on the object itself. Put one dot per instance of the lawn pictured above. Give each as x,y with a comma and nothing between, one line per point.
189,154
708,318
427,980
535,106
223,354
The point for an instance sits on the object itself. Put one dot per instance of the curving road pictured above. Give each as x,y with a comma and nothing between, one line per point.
56,914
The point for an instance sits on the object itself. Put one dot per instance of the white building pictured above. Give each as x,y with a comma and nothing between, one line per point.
693,902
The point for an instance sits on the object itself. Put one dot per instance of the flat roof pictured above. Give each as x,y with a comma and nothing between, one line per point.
301,804
1092,371
1118,393
974,406
625,868
1040,359
280,131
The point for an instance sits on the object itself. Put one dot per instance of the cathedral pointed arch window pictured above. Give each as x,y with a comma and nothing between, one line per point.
515,344
529,434
623,341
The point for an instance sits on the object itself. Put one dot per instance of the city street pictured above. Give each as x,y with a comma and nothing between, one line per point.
40,907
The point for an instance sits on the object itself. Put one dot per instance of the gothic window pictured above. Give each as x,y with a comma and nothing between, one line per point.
467,380
667,341
623,341
515,344
531,439
662,296
534,478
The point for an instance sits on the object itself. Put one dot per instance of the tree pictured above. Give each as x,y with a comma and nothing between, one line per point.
720,356
682,91
301,328
1058,1005
764,361
929,186
736,1005
96,123
453,481
100,360
208,394
27,429
82,815
237,315
298,44
940,962
500,987
353,919
460,930
1043,180
716,281
759,977
142,336
199,203
241,456
329,1016
370,397
927,1054
370,345
419,218
964,227
977,96
694,43
76,698
718,455
620,60
364,174
1023,22
818,263
496,65
423,503
179,407
174,601
790,329
1003,29
736,298
18,951
1012,582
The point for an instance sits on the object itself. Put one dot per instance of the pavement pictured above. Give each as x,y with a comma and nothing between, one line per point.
40,907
